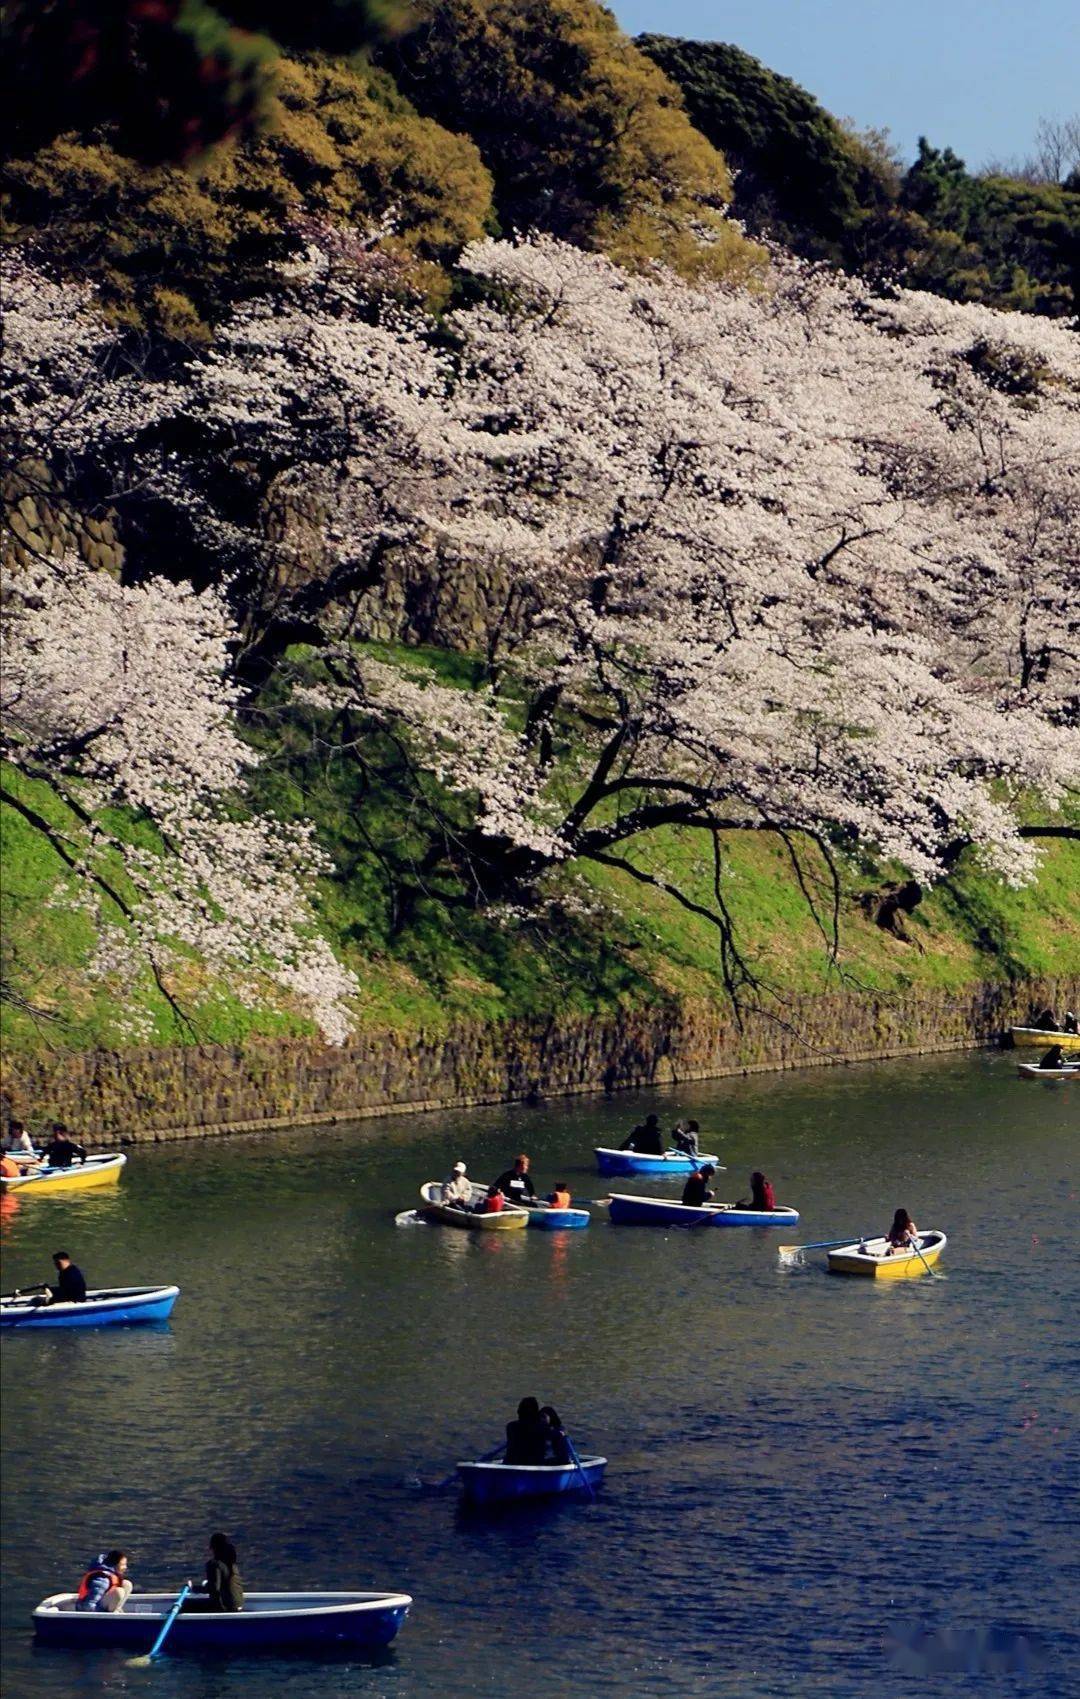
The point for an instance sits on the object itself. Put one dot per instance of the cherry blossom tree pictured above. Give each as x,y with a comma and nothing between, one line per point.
802,561
117,697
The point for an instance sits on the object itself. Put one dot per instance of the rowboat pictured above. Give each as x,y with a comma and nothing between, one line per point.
502,1483
1032,1071
868,1257
269,1622
1028,1035
455,1216
545,1215
119,1306
95,1171
627,1211
627,1163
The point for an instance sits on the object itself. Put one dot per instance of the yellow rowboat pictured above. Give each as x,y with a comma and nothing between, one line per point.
1029,1035
869,1257
454,1216
95,1171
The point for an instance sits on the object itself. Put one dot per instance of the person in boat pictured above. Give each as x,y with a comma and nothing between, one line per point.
1054,1058
70,1285
18,1140
9,1168
560,1197
684,1136
558,1442
223,1588
492,1203
696,1190
517,1183
902,1234
762,1197
61,1150
1070,1023
646,1139
105,1586
1047,1021
456,1188
527,1436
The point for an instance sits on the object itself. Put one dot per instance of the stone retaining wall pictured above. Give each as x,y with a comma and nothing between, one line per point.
200,1090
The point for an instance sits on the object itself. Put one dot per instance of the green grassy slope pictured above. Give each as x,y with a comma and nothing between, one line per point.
607,941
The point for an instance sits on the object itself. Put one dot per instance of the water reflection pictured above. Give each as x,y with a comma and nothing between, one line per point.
766,1426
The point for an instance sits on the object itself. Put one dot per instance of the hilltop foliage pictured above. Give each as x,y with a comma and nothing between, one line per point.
831,194
171,248
584,136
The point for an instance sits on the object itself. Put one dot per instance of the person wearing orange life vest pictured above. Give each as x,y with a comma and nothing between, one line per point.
493,1204
560,1197
105,1586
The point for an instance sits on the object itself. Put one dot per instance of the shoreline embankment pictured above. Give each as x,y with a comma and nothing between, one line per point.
203,1091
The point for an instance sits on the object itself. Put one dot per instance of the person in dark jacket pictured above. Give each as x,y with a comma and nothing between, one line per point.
70,1287
1047,1021
684,1136
696,1191
223,1587
558,1442
61,1150
1054,1058
516,1184
646,1139
527,1437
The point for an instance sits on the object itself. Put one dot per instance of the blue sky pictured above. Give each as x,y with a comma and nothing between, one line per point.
974,74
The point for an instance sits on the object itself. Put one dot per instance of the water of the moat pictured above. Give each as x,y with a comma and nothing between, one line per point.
800,1466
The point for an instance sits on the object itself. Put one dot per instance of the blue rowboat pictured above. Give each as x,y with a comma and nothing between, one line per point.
627,1163
269,1622
553,1220
658,1212
505,1483
119,1306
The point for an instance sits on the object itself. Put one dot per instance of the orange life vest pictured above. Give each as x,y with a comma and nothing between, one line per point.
91,1575
560,1200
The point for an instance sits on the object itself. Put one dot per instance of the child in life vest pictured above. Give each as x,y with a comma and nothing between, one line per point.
105,1586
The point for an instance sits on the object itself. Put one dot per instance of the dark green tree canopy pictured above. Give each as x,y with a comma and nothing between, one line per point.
171,78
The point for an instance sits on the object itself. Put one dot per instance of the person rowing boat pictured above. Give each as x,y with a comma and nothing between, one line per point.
1054,1058
70,1285
516,1184
646,1138
527,1436
902,1234
62,1150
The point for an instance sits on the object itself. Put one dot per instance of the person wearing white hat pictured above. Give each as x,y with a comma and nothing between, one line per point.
456,1188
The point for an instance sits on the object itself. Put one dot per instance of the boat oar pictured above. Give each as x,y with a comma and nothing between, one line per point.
572,1449
155,1650
792,1253
488,1457
918,1252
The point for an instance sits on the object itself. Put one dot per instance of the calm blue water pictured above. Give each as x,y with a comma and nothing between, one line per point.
800,1465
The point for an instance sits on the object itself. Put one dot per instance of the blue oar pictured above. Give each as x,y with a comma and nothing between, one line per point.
577,1464
165,1627
788,1253
487,1458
